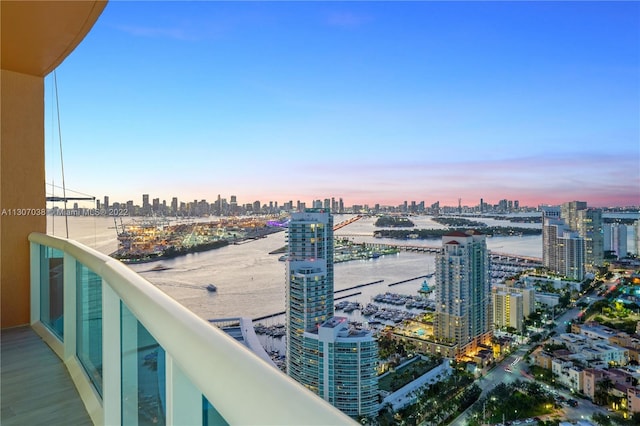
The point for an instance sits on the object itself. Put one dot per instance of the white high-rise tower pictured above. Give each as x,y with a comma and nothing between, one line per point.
323,353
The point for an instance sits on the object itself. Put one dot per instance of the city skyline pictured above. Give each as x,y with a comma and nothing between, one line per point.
372,102
176,203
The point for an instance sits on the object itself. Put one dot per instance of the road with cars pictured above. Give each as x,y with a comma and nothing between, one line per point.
513,368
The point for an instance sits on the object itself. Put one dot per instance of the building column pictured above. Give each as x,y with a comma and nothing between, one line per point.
22,188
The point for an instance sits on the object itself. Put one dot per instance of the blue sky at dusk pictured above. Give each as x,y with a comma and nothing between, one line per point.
373,102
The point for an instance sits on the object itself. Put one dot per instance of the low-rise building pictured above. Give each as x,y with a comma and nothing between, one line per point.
594,330
567,374
548,299
623,384
633,399
591,377
542,359
589,348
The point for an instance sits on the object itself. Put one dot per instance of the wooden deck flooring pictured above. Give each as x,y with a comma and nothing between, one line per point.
36,388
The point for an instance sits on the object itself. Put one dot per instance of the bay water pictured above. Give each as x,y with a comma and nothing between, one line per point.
251,282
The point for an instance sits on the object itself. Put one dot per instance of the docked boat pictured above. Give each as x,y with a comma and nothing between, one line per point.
212,288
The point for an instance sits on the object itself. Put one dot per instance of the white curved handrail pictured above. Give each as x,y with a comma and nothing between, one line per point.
241,387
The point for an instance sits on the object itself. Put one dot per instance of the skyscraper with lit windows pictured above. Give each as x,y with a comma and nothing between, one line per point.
463,291
323,352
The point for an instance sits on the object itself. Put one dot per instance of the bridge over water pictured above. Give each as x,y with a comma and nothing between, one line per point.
496,258
346,222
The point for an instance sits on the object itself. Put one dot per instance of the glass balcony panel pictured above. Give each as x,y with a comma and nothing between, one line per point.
52,289
143,374
89,323
210,416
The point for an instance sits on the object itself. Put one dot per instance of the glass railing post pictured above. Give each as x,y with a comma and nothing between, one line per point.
184,400
112,378
89,323
51,290
69,306
35,282
129,367
143,374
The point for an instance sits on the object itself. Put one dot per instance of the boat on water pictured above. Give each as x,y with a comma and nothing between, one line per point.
159,267
212,288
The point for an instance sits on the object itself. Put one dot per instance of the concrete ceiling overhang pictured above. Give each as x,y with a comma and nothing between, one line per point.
36,36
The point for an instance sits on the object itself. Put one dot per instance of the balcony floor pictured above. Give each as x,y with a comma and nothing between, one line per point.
36,387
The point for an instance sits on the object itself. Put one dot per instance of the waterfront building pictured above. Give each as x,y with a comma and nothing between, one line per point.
615,239
321,349
569,212
575,217
463,291
563,249
348,361
636,239
589,227
571,256
550,216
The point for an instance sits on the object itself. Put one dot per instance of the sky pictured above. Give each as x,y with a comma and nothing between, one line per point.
371,102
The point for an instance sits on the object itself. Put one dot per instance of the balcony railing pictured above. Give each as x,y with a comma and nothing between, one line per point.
139,357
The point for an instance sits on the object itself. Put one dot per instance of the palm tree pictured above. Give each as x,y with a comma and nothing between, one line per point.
601,394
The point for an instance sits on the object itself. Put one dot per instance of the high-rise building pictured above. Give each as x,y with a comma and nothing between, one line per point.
309,293
146,207
463,291
589,227
572,238
615,239
571,255
347,367
323,354
569,212
563,249
550,226
233,205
